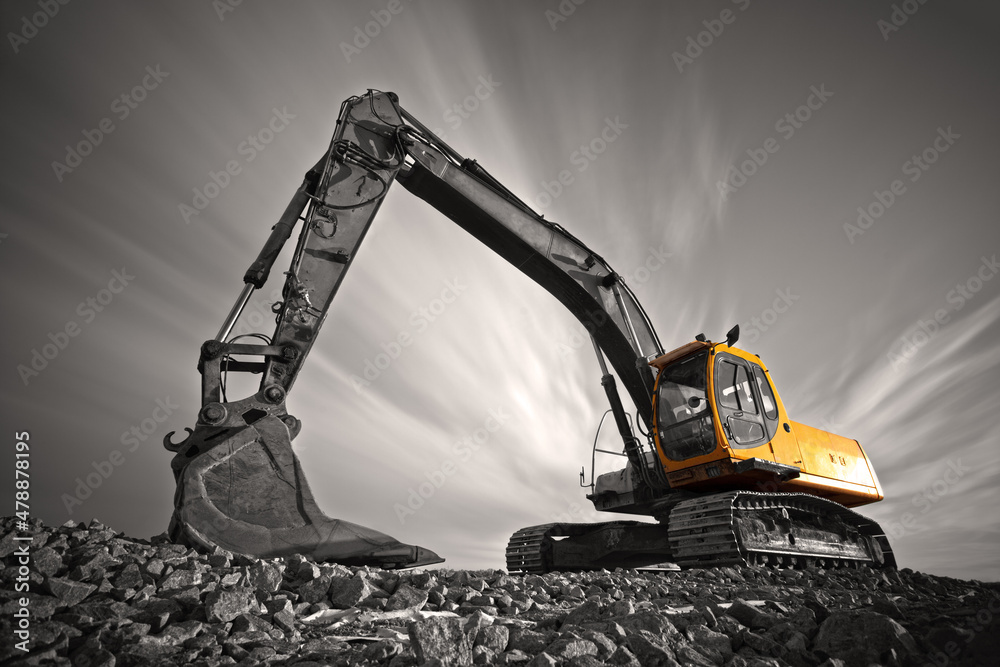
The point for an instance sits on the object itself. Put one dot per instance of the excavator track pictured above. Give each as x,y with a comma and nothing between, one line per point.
787,529
533,550
524,550
715,530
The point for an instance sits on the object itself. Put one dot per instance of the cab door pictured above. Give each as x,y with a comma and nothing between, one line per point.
738,405
749,412
782,442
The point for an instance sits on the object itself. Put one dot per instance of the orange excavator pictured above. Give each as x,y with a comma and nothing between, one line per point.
717,462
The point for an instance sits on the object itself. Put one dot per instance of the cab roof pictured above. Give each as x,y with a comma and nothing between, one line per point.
660,362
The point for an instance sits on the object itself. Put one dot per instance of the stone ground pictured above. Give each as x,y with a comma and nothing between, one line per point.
99,598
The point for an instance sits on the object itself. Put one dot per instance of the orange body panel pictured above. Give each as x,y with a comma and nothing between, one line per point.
830,465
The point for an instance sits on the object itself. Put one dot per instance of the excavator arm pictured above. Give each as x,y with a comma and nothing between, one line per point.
239,484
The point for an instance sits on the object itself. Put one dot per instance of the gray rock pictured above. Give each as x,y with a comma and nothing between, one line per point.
441,639
224,606
180,579
128,577
68,592
701,636
590,610
605,647
654,623
494,637
750,616
354,592
862,637
569,648
649,653
407,597
543,660
530,641
316,589
623,656
264,575
47,561
382,650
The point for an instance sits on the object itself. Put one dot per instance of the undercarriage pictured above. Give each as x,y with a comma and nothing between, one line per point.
734,528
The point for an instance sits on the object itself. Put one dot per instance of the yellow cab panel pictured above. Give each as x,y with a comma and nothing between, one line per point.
721,425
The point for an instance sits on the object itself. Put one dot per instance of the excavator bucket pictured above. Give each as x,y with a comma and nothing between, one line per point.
241,488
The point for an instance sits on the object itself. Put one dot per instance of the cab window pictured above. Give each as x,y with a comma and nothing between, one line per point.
766,395
683,415
735,391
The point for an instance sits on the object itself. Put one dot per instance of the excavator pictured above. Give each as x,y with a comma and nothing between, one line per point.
713,457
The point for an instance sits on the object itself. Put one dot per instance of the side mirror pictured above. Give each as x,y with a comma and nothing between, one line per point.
733,335
694,401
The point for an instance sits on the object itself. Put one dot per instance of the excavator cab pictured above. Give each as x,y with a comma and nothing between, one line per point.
721,425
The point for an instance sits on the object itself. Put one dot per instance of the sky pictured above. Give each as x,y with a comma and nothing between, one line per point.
823,174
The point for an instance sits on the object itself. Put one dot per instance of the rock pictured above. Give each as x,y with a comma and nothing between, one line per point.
354,592
47,561
128,577
605,647
567,649
529,641
406,597
316,589
621,608
494,637
701,636
543,660
590,610
224,606
382,650
649,653
285,620
623,656
180,579
750,616
513,657
441,639
862,637
69,592
245,622
657,625
264,575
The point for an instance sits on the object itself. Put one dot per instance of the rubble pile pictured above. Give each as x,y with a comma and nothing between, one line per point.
98,598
